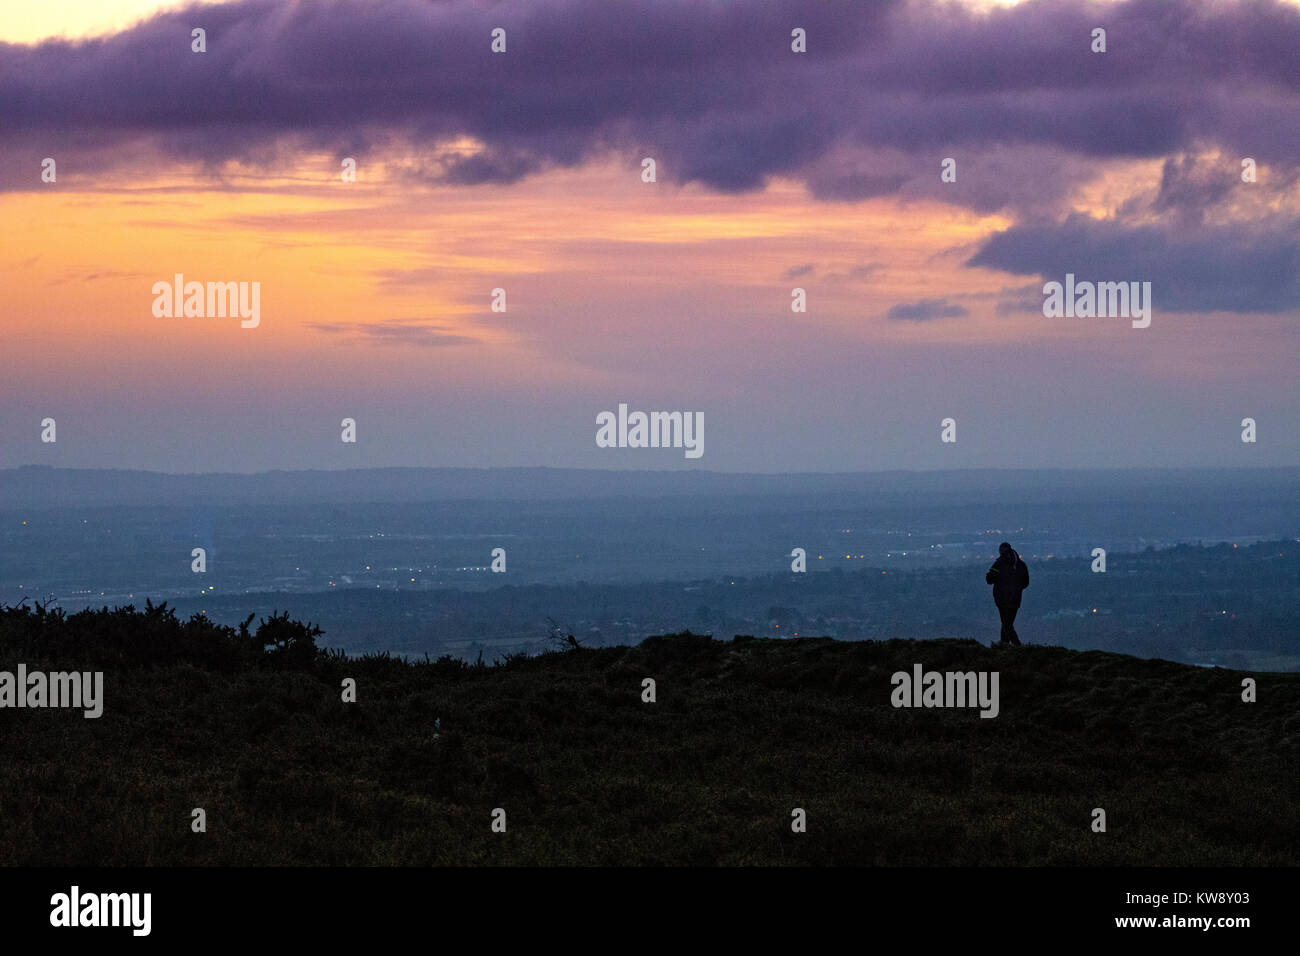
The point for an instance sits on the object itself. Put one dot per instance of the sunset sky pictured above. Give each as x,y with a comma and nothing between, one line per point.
522,170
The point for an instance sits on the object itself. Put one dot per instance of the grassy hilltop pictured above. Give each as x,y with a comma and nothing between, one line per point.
251,727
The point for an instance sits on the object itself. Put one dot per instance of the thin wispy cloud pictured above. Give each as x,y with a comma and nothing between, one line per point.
926,310
421,332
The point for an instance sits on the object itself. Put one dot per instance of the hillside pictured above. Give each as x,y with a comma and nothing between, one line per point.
251,727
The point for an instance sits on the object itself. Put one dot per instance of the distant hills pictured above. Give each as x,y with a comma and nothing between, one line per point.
47,487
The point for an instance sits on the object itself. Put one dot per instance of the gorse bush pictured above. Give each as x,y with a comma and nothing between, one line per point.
106,639
285,643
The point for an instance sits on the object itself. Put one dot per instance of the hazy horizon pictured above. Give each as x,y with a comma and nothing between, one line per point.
49,486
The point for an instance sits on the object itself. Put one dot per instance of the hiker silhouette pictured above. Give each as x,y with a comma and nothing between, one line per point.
1009,577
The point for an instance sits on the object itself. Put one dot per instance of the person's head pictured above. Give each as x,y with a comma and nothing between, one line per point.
1005,551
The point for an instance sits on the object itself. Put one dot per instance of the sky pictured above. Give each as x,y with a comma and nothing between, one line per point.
775,170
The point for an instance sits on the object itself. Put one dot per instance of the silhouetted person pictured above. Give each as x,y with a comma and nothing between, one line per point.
1009,577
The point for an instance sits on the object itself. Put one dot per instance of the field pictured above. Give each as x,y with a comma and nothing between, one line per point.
252,728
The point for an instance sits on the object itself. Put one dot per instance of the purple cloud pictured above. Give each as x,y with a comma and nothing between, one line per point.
422,332
711,89
1240,267
925,310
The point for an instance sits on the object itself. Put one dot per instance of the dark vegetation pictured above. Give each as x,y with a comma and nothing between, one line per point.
249,725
